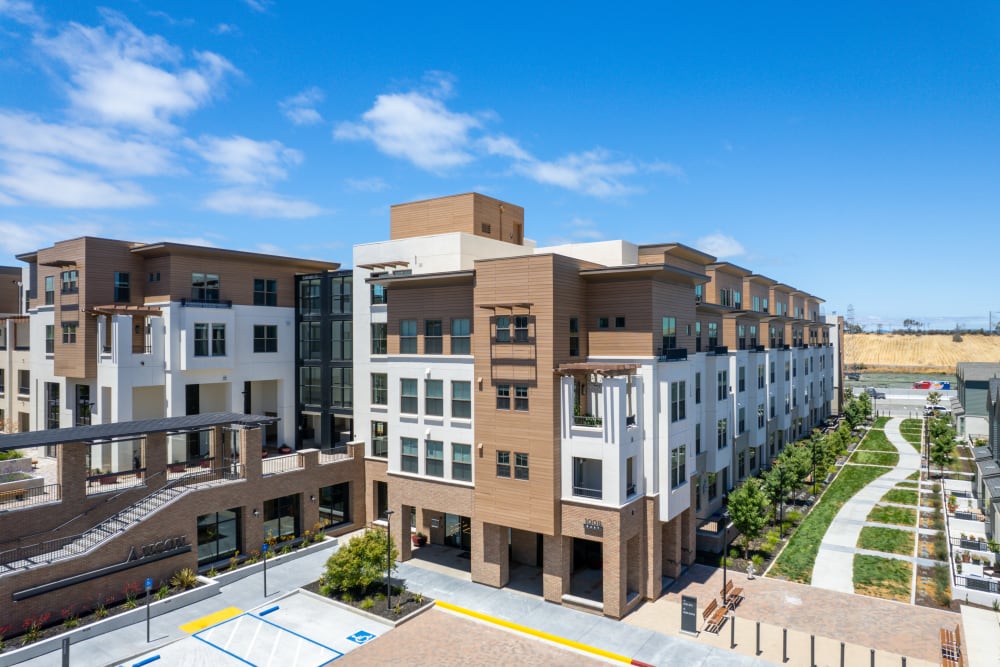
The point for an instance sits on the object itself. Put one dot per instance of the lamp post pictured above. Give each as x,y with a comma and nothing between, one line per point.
388,560
725,548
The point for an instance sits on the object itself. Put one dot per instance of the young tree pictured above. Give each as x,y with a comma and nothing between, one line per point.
934,397
748,506
942,442
358,564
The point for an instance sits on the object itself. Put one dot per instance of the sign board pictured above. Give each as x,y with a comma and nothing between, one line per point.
149,583
264,547
689,614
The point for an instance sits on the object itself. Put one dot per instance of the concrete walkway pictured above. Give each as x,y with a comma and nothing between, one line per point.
834,568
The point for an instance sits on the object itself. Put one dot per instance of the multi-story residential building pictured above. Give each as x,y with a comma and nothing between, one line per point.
125,331
14,349
578,409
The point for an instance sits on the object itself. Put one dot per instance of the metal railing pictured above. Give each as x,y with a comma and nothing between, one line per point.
969,545
587,420
206,304
987,585
279,464
142,348
585,492
114,481
22,498
335,454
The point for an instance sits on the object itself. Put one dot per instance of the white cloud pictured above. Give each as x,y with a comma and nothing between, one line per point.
505,147
17,237
121,75
374,184
301,108
584,229
225,29
259,6
41,180
666,168
720,245
593,173
260,204
22,12
246,161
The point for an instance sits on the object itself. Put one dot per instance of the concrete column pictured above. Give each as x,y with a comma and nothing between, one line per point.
490,556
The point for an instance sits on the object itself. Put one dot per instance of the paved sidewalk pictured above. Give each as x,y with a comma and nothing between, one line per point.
834,568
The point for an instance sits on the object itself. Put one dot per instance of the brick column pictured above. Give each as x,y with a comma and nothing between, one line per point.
400,527
688,536
490,557
654,550
250,439
672,548
71,463
556,552
154,458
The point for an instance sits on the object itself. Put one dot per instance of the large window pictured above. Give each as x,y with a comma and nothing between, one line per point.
209,340
379,338
121,291
51,405
722,384
380,439
521,397
310,345
433,340
461,462
678,399
461,400
408,403
265,292
434,458
742,381
713,335
669,333
265,338
218,536
205,287
503,328
341,389
722,433
678,466
50,338
409,455
50,290
503,397
380,389
281,517
503,463
335,504
434,398
24,383
520,465
342,288
309,385
460,337
408,337
341,340
70,280
379,295
309,297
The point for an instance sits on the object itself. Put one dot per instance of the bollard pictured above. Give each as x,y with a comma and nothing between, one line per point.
758,637
812,650
904,661
873,657
841,654
784,644
732,632
65,652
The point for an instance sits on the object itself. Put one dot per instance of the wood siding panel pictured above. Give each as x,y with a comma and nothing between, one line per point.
460,213
444,302
673,300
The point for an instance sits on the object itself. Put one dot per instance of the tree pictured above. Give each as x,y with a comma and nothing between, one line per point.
358,564
942,442
748,506
934,397
910,324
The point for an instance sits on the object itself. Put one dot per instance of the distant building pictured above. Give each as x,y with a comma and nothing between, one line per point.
973,384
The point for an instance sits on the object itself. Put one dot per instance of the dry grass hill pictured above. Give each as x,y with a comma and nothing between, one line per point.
912,353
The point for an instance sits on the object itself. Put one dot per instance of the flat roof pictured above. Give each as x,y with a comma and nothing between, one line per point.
977,371
992,487
57,436
982,453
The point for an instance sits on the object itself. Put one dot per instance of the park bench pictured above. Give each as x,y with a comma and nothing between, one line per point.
732,594
951,648
714,616
12,496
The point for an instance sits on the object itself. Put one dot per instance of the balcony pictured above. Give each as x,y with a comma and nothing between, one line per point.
206,303
673,354
589,421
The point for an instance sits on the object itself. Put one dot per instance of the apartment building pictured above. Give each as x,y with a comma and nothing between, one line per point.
14,350
580,410
129,331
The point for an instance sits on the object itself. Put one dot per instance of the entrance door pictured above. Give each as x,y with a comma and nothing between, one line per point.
458,531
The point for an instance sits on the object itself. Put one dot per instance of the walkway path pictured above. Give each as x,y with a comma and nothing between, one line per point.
834,568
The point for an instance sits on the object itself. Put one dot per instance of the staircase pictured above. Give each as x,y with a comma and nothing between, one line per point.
53,551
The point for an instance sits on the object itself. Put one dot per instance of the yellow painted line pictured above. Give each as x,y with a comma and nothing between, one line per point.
535,633
212,619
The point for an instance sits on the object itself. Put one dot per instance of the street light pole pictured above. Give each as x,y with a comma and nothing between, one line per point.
725,548
388,560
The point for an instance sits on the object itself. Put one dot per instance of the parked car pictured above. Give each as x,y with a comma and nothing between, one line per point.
936,410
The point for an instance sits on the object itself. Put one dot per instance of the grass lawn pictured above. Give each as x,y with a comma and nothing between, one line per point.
797,560
907,485
900,497
880,422
889,540
877,442
912,429
914,476
900,516
886,578
867,457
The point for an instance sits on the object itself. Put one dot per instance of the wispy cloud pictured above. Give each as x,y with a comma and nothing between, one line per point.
259,6
246,161
21,11
121,75
225,29
721,245
31,178
17,237
301,108
374,184
244,201
577,230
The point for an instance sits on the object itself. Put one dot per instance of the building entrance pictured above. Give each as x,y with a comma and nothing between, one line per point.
458,531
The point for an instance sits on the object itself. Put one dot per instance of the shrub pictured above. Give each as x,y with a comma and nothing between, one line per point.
758,562
162,593
359,564
367,604
184,579
101,611
212,573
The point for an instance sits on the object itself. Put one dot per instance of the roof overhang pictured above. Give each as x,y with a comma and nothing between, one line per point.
598,368
424,279
379,266
664,272
125,309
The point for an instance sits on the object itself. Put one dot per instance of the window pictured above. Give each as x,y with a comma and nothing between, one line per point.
619,322
121,291
3,381
630,476
677,400
574,337
380,295
309,385
407,336
697,439
795,368
699,291
503,329
201,346
24,383
770,400
756,304
265,292
434,398
742,421
281,517
461,400
380,439
678,466
408,402
69,333
50,338
753,335
309,341
760,376
342,288
50,290
460,341
760,415
722,384
697,388
409,455
218,340
669,333
341,388
309,297
713,488
521,397
520,466
741,466
379,345
218,536
722,433
205,287
51,405
741,336
520,328
503,463
697,336
602,323
380,389
154,276
265,338
341,340
70,280
434,458
461,462
503,397
335,504
772,372
766,307
787,370
209,340
713,335
742,381
787,405
433,342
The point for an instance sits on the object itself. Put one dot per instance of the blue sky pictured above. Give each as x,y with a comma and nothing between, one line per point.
850,150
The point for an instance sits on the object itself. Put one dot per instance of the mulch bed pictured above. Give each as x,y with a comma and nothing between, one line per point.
405,601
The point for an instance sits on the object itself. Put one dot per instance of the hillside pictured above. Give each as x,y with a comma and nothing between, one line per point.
910,353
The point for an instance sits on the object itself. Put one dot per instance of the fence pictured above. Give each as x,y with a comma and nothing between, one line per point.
279,464
38,495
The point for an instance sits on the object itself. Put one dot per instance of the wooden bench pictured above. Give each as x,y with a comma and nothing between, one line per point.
13,496
951,648
714,616
732,594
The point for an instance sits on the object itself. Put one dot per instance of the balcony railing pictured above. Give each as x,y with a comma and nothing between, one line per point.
23,498
673,354
206,304
335,454
142,349
279,464
585,492
587,420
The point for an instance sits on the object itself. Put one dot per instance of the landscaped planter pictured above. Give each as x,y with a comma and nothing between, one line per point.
243,571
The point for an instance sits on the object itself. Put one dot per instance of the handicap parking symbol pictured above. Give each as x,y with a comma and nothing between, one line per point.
361,637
